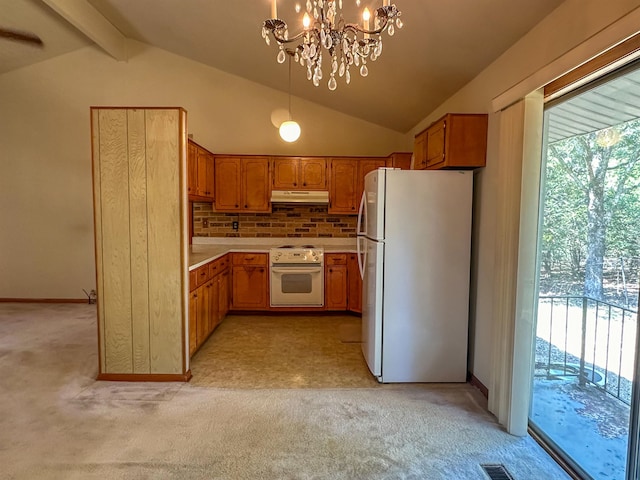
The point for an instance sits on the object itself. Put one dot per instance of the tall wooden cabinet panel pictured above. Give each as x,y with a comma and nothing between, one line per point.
343,185
193,322
139,159
227,184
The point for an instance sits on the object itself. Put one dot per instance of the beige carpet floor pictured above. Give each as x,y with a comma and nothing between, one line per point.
57,422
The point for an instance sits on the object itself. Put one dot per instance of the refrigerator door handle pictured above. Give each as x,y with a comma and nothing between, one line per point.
362,215
362,255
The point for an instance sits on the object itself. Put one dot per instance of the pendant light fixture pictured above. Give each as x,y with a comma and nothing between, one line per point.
290,130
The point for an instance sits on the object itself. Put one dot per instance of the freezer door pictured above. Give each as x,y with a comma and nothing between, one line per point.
372,306
374,201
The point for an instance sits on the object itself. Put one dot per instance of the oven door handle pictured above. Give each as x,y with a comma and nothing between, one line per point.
296,270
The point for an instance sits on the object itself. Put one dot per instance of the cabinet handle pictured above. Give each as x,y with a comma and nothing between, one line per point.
236,205
295,184
245,206
261,270
331,270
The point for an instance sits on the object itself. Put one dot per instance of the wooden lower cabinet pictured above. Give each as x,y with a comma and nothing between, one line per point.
249,281
208,302
354,299
335,281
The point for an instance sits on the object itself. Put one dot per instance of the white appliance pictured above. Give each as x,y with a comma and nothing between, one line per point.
313,197
414,243
297,276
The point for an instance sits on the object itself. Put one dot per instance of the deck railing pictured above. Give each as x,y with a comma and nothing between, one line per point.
589,339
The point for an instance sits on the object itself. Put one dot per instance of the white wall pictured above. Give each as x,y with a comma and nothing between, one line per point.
46,239
568,26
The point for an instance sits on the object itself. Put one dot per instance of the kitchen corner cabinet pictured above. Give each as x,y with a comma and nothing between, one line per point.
457,140
200,173
138,164
354,298
400,160
299,173
249,281
335,281
346,182
242,184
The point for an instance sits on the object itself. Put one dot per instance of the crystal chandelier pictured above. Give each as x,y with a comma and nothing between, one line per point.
325,31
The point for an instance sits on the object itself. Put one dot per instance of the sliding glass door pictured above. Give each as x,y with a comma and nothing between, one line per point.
589,263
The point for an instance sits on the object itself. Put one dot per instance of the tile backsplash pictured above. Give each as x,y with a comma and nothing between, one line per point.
284,221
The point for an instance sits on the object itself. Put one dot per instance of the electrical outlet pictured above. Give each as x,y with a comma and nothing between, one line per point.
205,223
235,225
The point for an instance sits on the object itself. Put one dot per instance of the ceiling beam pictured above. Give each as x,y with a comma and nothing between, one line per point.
93,24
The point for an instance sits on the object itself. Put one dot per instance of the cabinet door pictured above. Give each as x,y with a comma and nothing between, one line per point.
223,295
256,188
313,173
435,143
192,169
203,312
420,151
193,322
249,287
285,173
400,160
227,184
336,287
355,284
209,176
343,183
365,166
202,186
213,304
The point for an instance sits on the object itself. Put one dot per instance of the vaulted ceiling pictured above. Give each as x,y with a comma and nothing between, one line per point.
443,45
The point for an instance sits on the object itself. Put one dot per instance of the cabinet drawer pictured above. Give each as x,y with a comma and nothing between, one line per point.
202,275
250,259
218,266
335,259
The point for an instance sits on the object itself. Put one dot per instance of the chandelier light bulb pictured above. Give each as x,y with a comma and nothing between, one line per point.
306,21
366,15
290,131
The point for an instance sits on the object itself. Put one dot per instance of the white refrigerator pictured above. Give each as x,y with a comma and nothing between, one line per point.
414,243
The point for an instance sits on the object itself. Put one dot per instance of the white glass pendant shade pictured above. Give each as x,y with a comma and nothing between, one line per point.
290,131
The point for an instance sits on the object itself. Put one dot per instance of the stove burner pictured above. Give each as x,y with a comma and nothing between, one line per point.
287,246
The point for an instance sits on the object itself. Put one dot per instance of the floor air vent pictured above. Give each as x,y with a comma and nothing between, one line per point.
496,472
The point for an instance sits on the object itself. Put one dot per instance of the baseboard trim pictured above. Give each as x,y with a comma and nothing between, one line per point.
145,377
473,380
43,300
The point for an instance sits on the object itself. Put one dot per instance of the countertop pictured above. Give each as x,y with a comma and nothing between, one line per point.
205,249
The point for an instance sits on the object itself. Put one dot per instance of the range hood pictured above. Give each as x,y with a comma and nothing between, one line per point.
299,196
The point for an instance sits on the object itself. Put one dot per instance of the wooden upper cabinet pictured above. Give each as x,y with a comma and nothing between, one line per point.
227,184
200,173
313,173
343,185
192,169
295,173
420,151
242,184
366,165
255,191
285,173
400,160
457,140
